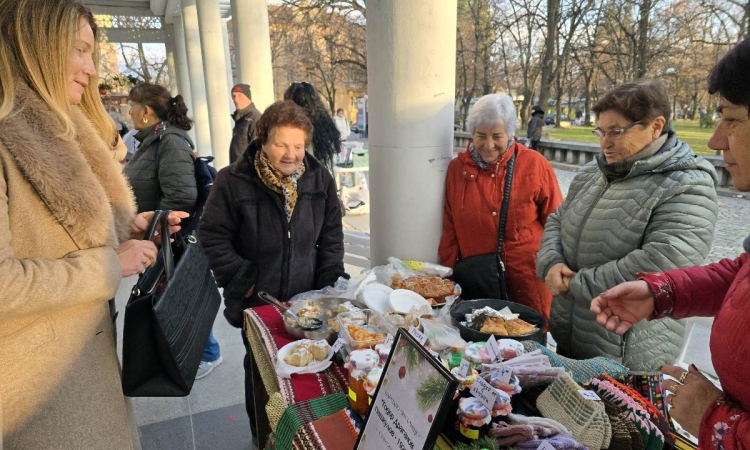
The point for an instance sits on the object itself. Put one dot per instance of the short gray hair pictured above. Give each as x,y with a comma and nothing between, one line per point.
491,109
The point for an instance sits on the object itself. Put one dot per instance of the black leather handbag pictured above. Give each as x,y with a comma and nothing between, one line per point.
483,276
168,318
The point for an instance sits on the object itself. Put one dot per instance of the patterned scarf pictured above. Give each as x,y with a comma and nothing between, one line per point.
278,182
478,158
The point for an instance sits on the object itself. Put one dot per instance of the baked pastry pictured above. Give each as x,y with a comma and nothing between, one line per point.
300,355
347,307
518,327
320,350
432,288
494,325
363,335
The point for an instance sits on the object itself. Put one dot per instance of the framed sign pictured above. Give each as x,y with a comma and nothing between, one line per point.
411,401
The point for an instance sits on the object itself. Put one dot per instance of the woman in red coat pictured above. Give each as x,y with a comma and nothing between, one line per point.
473,196
721,420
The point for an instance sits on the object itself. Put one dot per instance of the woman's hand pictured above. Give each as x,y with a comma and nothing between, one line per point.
624,305
558,278
691,398
142,220
135,256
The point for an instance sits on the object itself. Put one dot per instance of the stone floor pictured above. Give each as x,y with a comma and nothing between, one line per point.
213,415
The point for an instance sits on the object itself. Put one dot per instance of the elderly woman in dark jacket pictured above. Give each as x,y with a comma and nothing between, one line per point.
273,221
161,172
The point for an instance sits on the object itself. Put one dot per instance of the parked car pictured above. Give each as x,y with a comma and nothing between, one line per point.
551,119
355,128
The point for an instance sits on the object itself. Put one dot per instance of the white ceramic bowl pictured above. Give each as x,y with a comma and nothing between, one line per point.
403,300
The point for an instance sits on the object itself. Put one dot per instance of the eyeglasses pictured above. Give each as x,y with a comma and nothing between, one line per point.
613,134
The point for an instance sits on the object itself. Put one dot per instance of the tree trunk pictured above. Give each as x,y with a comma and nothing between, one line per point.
642,63
548,60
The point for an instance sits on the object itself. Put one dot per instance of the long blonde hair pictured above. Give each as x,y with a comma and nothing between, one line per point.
36,38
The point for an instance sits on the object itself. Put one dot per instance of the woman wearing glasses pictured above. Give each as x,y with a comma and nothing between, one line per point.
647,204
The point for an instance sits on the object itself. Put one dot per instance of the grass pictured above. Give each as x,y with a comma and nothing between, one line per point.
687,130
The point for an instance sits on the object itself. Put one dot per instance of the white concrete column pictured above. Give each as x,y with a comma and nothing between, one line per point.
169,45
183,73
411,61
228,59
214,66
252,49
203,129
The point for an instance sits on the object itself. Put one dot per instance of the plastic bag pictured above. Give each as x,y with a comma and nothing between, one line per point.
342,289
384,274
442,336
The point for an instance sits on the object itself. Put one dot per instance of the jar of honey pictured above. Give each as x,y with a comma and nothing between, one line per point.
473,419
359,364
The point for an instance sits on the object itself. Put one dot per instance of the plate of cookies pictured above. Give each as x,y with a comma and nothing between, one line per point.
303,356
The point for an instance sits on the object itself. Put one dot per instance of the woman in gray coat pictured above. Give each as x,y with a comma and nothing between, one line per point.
647,203
161,172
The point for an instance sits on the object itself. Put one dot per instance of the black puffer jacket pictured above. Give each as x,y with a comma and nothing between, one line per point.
174,186
244,131
249,242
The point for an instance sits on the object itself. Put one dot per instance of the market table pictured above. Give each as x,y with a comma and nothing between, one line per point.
299,409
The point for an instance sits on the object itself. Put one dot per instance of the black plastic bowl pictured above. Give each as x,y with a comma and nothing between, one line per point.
459,311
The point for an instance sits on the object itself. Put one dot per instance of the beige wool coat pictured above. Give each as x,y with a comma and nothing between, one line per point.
64,207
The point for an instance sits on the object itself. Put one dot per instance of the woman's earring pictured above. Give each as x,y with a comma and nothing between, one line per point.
144,120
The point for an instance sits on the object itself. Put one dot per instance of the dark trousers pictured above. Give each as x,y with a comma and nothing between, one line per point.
534,144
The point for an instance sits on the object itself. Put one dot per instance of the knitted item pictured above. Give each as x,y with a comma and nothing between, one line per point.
586,419
557,427
508,435
633,408
648,392
558,441
584,370
625,435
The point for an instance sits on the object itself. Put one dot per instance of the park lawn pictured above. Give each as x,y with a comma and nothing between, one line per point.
687,130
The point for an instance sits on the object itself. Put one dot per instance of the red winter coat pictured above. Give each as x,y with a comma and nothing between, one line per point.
720,290
472,211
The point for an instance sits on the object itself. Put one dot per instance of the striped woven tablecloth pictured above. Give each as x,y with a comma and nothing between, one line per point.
265,331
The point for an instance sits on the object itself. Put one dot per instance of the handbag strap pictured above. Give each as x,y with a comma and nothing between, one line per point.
504,209
162,218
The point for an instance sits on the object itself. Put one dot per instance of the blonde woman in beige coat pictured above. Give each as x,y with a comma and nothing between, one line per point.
68,235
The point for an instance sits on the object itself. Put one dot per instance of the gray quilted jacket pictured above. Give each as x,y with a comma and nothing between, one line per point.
173,187
659,217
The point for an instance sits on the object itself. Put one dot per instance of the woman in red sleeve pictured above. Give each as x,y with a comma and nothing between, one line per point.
472,212
721,420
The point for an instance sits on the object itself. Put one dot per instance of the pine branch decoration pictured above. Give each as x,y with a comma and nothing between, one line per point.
430,391
413,357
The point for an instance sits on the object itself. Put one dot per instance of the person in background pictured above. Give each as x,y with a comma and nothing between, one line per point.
272,222
647,203
474,190
120,125
326,139
534,130
68,235
720,419
343,126
162,172
245,119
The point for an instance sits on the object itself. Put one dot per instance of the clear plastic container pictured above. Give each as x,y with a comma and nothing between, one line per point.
373,322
